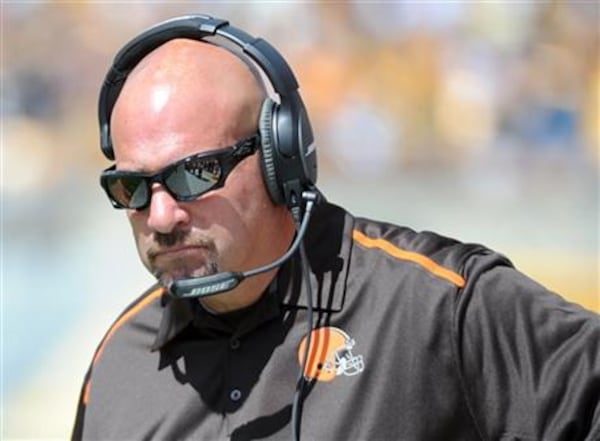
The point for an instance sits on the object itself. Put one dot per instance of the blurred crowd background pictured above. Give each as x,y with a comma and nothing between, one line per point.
478,120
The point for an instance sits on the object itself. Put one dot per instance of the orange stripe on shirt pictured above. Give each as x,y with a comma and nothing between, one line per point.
124,318
417,258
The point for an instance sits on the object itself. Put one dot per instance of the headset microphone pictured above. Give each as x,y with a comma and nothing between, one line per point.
226,281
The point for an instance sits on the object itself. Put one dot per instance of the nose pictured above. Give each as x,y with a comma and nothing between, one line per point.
165,213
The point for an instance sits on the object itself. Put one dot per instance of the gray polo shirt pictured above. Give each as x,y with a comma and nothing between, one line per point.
415,337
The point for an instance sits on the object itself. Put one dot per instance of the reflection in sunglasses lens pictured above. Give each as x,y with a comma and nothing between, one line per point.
194,178
129,191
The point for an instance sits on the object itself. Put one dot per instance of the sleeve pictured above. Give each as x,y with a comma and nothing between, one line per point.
529,360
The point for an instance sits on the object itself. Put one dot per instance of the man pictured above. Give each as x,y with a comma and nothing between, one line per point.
414,336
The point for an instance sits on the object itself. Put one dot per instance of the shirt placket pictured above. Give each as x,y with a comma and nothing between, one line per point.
234,391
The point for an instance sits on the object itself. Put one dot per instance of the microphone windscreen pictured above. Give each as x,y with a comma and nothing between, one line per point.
206,286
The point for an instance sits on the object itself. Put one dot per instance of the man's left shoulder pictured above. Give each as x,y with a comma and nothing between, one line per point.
440,255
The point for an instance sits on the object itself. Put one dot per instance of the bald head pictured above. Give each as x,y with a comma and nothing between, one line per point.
187,88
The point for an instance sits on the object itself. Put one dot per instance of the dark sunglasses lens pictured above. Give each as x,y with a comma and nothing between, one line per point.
193,178
129,192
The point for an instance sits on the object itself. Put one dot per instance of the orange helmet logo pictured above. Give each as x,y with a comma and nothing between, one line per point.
330,354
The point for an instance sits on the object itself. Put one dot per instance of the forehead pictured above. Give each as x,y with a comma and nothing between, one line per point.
171,108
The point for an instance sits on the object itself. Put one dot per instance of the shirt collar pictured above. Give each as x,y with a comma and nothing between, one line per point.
180,313
176,315
328,245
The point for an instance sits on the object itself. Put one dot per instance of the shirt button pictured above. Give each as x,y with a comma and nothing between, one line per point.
235,343
235,395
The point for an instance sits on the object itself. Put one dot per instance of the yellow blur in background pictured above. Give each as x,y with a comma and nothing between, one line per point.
477,120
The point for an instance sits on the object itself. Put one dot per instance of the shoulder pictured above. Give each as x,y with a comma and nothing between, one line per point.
147,300
442,257
145,308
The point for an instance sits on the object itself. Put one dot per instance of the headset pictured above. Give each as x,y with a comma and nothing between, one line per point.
289,160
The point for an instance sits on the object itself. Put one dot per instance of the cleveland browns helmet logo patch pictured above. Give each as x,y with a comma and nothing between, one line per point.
330,355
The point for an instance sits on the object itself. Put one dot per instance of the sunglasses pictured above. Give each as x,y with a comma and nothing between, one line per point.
185,180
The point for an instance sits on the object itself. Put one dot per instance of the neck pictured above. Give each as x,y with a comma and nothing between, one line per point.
251,289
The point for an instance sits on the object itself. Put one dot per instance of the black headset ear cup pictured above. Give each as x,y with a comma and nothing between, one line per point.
265,126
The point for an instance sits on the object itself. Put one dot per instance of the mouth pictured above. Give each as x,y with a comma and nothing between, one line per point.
178,262
192,256
177,252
